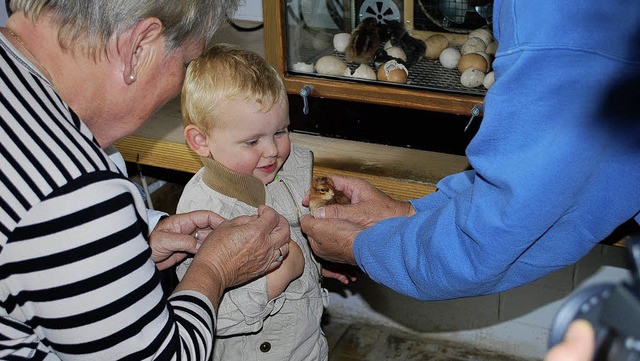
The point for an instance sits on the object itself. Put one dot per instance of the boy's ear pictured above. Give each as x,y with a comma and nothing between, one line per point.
197,140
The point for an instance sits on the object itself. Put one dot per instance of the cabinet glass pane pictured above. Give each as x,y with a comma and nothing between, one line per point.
313,27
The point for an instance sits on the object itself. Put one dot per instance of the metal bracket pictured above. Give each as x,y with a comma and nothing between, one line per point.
305,92
475,111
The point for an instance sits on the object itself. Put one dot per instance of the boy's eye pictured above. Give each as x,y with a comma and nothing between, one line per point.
251,142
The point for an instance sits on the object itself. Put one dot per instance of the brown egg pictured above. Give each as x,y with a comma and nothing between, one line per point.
435,43
393,72
472,60
491,49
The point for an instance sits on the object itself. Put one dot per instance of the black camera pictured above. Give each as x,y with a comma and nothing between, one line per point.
612,309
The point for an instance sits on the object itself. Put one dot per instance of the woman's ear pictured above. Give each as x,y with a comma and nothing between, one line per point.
197,140
137,46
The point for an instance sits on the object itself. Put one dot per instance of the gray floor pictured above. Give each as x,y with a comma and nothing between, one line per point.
355,341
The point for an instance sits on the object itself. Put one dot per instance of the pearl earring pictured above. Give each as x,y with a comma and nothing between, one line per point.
132,77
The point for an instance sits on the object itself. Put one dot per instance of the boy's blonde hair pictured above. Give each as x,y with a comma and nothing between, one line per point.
228,72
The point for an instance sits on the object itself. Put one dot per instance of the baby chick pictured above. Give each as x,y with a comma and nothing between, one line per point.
398,36
323,192
364,42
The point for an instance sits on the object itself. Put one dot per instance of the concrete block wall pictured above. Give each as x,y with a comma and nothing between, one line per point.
515,322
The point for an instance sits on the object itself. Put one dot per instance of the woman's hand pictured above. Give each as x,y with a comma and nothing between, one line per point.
237,251
174,237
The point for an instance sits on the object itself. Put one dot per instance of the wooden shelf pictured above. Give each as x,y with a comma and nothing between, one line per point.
400,172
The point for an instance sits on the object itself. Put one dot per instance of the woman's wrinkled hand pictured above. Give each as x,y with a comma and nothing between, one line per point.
246,247
236,251
174,237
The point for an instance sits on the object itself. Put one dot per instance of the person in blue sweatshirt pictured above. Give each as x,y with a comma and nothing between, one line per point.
556,164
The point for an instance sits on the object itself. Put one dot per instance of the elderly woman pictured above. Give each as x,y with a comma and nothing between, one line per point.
80,269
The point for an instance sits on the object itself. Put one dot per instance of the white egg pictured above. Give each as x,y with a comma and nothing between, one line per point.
397,52
471,78
302,67
331,65
340,41
449,58
364,71
489,79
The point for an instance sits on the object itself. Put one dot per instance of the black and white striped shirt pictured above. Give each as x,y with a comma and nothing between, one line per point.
76,278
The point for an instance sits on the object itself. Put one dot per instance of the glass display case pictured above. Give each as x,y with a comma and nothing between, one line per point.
348,49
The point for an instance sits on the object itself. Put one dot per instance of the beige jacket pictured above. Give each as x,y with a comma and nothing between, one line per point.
249,327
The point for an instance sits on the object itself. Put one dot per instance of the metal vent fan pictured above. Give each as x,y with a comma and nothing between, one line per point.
382,10
456,16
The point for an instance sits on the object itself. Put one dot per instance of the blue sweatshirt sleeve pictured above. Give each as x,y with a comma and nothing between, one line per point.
556,160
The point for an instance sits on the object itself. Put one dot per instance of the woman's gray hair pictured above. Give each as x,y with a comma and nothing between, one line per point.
90,24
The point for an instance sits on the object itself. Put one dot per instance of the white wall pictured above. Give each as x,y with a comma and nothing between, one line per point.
3,13
251,10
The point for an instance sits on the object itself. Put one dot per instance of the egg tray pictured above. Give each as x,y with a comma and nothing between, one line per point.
424,74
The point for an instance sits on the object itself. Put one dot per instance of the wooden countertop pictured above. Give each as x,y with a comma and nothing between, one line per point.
400,172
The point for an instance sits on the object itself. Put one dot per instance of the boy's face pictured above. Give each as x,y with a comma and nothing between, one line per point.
251,142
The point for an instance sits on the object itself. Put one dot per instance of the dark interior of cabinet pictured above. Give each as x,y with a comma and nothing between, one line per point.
372,123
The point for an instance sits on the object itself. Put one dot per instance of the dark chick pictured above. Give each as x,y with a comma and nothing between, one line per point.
323,192
364,42
396,33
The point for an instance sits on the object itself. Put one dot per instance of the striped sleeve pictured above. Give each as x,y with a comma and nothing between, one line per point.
81,278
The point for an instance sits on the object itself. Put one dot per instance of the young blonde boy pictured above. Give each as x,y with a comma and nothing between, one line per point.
236,116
